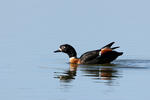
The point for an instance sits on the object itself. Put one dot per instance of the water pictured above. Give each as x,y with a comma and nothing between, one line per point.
125,79
29,70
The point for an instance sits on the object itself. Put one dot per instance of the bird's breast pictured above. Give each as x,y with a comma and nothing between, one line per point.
74,60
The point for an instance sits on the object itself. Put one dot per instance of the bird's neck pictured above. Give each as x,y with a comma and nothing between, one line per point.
73,57
72,53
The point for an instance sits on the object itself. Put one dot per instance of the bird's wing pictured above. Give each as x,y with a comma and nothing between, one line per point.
95,56
89,56
108,57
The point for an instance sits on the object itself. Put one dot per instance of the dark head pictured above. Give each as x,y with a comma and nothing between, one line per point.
68,49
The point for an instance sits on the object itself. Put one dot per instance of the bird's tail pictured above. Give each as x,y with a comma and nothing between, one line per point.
109,46
115,48
120,53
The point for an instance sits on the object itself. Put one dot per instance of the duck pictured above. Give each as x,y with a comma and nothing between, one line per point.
104,55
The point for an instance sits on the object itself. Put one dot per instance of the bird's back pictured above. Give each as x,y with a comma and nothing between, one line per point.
94,57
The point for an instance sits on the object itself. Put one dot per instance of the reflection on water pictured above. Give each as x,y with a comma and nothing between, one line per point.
102,73
68,75
98,72
106,73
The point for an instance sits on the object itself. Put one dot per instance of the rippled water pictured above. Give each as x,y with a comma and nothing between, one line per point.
125,79
33,72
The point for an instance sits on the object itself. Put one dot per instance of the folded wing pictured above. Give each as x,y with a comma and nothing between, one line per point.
94,56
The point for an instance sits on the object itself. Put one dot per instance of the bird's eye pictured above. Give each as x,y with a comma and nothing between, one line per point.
63,47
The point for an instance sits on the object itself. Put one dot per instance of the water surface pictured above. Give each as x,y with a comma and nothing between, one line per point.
125,79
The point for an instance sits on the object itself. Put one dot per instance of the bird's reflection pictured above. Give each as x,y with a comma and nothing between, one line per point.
108,73
68,75
103,73
96,72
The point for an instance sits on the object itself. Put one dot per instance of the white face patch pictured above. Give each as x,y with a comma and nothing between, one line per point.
100,53
60,49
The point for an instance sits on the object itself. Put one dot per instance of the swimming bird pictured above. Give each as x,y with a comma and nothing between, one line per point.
100,56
